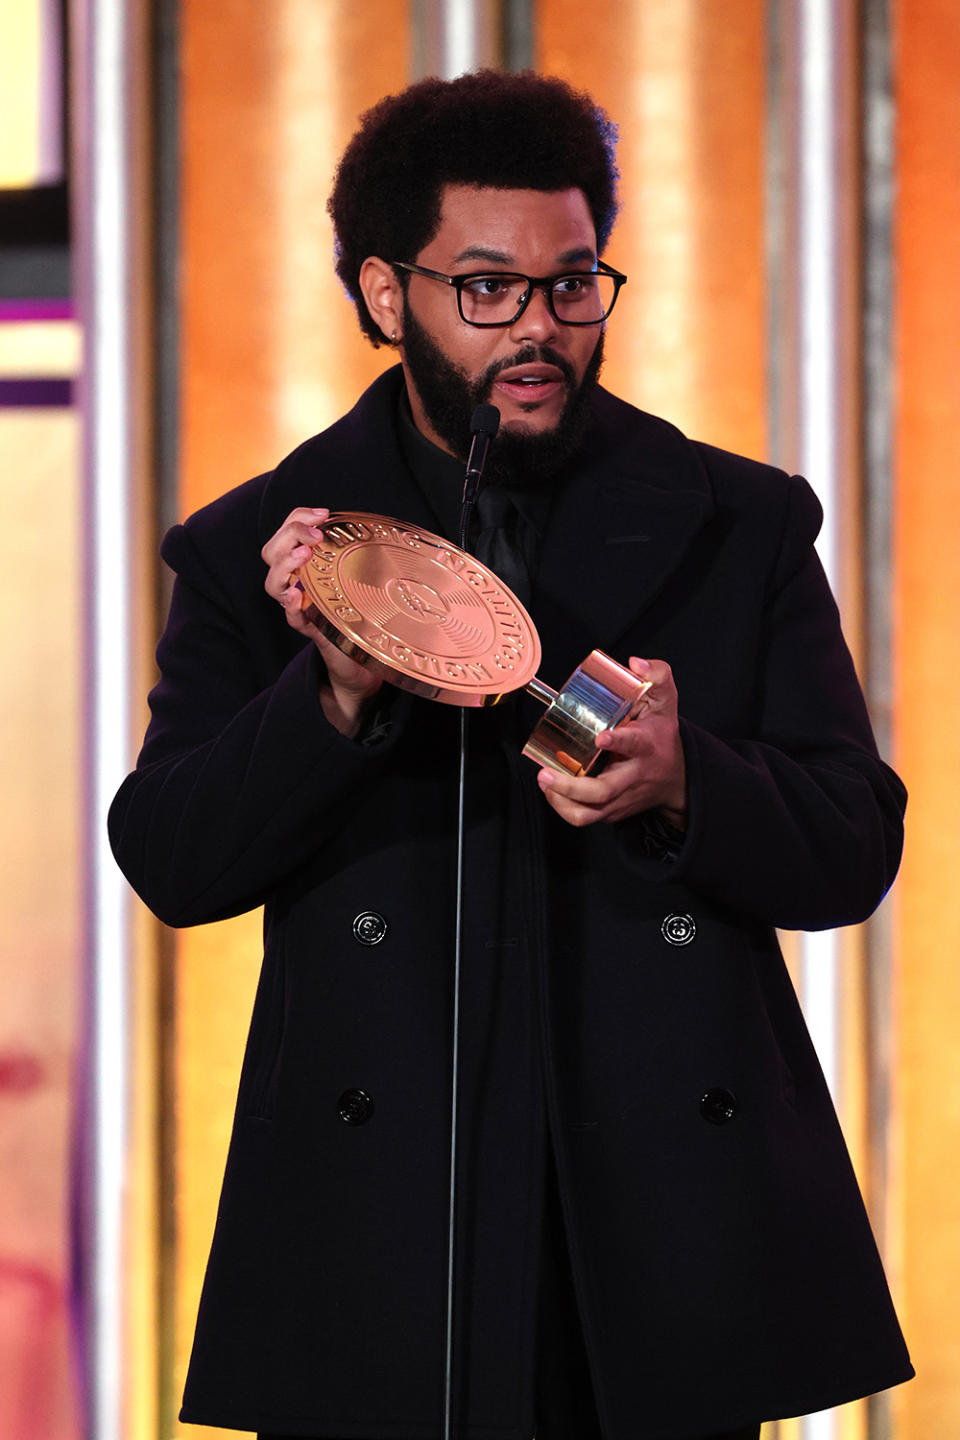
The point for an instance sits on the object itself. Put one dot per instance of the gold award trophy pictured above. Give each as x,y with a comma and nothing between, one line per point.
430,618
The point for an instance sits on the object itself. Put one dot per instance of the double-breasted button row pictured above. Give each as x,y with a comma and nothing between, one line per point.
355,1107
678,929
718,1106
369,927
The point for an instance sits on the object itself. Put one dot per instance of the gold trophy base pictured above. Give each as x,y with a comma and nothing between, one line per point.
599,695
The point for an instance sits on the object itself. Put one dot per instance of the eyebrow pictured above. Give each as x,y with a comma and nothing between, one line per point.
480,252
498,257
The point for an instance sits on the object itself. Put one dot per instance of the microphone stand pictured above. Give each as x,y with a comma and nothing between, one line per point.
484,424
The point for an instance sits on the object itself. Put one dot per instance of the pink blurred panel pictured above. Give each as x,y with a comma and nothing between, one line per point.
40,920
36,1396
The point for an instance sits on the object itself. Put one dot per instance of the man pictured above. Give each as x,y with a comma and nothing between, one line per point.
659,1233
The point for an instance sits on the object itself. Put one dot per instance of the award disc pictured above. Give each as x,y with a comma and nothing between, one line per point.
424,613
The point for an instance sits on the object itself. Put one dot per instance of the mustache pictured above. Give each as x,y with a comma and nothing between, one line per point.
530,355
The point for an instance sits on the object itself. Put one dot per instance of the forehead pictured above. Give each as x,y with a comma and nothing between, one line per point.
532,229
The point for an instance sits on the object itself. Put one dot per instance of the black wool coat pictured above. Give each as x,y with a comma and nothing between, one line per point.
622,994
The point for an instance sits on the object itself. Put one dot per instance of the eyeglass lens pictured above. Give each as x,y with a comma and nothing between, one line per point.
495,299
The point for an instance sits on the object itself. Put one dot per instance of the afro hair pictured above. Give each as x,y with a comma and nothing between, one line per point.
508,131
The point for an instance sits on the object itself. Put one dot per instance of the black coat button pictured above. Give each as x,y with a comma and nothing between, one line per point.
678,929
369,927
355,1107
719,1105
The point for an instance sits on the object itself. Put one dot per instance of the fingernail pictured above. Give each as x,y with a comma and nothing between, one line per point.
545,778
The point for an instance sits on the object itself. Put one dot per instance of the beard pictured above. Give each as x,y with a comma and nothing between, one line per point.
520,457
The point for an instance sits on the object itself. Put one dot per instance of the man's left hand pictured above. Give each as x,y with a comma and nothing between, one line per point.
646,768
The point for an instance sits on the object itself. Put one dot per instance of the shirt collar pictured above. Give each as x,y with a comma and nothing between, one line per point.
440,477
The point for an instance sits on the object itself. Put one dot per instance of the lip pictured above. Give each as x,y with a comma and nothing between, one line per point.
516,383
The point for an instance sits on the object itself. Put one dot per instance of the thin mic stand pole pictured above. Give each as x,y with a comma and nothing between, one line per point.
455,1086
483,427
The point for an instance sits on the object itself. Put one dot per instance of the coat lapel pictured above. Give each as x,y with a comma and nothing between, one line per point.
621,527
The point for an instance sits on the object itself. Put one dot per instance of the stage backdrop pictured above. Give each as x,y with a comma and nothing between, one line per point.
266,353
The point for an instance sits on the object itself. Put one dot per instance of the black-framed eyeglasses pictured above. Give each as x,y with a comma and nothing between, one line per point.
493,298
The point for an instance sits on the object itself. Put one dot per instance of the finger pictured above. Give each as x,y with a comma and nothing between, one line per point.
293,597
308,514
301,521
659,675
571,811
286,553
630,740
598,794
657,671
301,527
582,789
281,578
288,538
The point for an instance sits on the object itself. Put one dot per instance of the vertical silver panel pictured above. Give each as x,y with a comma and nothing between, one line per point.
51,166
108,46
450,37
814,423
518,34
878,159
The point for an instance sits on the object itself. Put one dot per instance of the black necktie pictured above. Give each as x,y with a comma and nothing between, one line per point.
499,542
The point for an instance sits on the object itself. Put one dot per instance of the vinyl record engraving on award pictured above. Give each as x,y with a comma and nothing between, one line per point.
424,613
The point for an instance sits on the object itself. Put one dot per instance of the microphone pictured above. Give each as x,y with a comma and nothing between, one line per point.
484,424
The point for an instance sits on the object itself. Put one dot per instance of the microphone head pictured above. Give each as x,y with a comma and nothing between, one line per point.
485,420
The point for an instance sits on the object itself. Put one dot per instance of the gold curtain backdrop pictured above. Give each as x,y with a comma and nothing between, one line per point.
686,82
268,352
925,1240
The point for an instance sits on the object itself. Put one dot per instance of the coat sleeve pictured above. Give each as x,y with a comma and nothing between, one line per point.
799,824
241,779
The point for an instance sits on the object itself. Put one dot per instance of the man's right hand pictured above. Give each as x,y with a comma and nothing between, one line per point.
350,686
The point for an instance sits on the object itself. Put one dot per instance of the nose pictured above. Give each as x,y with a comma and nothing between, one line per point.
537,321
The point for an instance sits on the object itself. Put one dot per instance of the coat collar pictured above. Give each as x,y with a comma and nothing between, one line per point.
622,524
355,465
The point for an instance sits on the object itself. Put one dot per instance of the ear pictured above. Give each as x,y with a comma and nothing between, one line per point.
383,297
